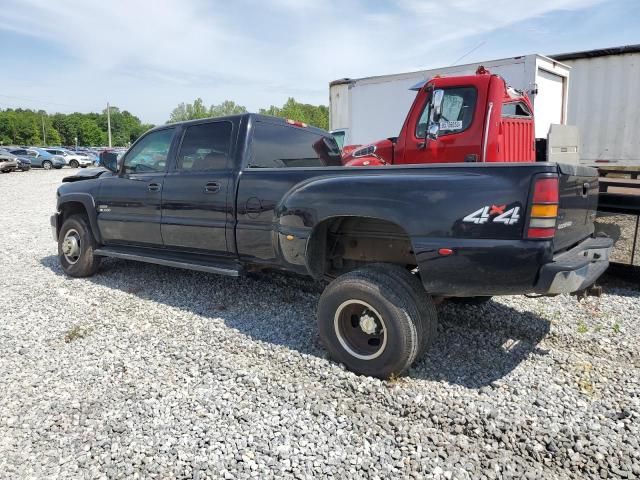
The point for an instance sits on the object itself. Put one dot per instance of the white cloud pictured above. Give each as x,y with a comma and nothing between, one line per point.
150,55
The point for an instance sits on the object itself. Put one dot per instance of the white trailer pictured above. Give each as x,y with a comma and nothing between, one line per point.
604,103
368,109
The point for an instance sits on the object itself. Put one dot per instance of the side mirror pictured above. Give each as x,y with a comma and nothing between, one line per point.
109,160
433,129
436,105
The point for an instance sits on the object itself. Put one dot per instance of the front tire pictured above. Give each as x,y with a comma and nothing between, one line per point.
370,323
47,165
74,164
76,245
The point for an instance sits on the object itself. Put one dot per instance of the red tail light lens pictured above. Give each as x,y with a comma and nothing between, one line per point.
541,232
542,217
546,191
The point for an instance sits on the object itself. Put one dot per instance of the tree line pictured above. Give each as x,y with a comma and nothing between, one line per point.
316,115
37,127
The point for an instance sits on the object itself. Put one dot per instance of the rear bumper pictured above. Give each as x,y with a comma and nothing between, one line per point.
575,269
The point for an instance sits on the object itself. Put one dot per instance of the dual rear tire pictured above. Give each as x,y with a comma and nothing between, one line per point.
376,320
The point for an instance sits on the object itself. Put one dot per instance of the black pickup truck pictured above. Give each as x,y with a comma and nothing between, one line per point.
246,192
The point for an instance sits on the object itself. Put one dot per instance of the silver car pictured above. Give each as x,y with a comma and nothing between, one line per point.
8,162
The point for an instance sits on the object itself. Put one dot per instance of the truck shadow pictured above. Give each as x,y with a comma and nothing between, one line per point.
476,345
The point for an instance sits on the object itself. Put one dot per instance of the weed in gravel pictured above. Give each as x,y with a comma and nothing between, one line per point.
75,333
616,328
584,381
582,327
395,380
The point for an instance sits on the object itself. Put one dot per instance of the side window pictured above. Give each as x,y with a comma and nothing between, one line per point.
515,109
284,146
149,155
205,147
458,106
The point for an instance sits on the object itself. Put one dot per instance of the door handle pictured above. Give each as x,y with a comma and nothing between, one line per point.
212,187
154,187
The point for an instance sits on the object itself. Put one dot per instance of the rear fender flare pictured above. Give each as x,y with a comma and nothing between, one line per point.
312,203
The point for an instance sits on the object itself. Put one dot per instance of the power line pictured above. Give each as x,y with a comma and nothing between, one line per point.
469,52
39,100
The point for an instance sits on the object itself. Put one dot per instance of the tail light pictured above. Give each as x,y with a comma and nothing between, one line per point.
296,123
544,208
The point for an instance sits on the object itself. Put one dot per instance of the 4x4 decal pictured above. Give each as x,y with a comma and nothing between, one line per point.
495,214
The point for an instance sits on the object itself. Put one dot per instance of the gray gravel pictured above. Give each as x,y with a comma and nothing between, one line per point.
151,372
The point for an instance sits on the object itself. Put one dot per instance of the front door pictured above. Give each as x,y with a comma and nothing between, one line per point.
128,204
456,137
196,208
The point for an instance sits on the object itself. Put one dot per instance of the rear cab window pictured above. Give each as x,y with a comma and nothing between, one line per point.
288,146
515,110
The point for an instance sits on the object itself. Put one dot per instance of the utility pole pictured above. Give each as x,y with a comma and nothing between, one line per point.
44,134
109,123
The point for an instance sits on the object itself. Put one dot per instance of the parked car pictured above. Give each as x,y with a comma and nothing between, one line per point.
40,158
88,153
73,159
8,162
22,163
234,194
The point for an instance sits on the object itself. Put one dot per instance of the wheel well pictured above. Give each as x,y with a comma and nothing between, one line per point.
71,208
341,244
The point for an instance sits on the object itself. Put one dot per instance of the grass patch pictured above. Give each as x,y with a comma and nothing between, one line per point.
75,333
584,380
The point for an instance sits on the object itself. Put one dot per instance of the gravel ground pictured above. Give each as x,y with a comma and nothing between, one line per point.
151,372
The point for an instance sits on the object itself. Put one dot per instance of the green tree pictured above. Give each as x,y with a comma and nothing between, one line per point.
197,109
227,107
316,115
25,127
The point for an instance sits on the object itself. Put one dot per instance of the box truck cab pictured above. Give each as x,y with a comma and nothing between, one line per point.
469,118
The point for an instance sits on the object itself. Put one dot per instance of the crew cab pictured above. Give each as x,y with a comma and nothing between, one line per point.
235,194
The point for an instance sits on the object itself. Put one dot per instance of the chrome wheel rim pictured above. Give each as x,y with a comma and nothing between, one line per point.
46,166
71,246
360,329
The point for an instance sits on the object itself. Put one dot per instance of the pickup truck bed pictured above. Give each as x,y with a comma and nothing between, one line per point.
251,192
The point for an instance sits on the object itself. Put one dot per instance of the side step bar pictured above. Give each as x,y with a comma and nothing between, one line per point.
187,262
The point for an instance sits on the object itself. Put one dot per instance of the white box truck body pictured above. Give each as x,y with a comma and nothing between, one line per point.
372,108
604,103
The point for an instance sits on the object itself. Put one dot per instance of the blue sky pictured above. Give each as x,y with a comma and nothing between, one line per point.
148,56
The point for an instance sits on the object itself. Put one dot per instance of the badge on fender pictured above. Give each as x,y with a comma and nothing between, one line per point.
495,214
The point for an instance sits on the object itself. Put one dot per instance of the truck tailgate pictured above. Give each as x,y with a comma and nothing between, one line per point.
578,203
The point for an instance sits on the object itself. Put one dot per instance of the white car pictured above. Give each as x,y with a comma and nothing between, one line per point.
73,159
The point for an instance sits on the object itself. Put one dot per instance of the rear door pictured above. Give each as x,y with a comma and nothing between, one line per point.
578,203
548,102
280,155
128,204
197,189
